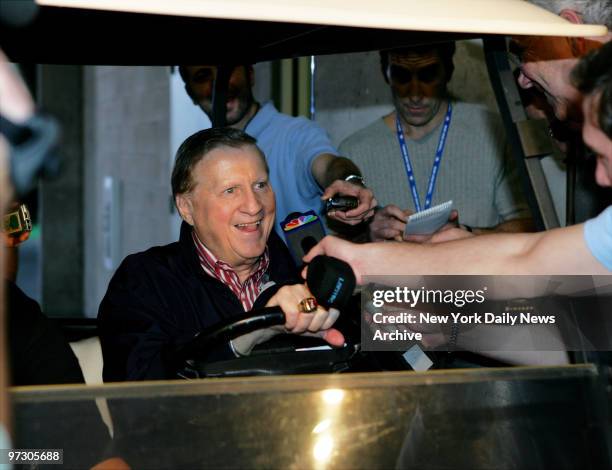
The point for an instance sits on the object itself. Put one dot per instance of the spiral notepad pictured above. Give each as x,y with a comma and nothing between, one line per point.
430,220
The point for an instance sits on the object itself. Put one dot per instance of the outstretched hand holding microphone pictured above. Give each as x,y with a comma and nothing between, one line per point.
308,309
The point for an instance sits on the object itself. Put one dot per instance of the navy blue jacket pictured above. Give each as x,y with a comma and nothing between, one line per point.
161,298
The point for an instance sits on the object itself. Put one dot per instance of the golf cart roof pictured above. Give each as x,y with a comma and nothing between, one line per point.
168,32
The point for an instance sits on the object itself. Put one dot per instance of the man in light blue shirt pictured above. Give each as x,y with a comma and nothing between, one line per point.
593,77
598,237
291,146
304,167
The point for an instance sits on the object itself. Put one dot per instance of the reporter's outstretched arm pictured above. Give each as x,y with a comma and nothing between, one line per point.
558,251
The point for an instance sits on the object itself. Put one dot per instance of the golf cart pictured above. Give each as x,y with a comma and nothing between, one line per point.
379,416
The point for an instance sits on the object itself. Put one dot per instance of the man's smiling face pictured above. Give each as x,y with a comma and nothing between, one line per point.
231,206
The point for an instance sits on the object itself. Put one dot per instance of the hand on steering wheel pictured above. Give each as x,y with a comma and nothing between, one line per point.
317,323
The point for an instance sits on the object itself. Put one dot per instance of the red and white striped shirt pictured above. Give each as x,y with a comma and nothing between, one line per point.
246,292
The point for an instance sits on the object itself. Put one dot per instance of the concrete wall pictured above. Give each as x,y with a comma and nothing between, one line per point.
61,199
126,138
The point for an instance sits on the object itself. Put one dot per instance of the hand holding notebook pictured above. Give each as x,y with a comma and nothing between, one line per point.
429,221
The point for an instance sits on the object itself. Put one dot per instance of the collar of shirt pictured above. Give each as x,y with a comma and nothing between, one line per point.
247,291
262,119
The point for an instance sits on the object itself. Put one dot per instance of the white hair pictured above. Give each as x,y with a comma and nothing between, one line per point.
592,11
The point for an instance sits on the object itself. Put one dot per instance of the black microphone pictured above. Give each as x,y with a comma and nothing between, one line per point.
330,280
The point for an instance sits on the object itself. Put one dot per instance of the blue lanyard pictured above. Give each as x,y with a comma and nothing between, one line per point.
436,164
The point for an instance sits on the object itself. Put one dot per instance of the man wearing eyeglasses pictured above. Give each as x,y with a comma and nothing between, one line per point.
431,149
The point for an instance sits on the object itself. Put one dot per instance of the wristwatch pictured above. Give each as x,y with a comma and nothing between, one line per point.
356,179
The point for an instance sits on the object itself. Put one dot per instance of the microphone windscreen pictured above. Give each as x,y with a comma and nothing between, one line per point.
331,281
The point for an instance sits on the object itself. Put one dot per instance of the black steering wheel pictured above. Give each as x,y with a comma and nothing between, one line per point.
271,358
332,283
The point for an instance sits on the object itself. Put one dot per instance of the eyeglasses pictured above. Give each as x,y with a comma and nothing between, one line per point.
402,75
